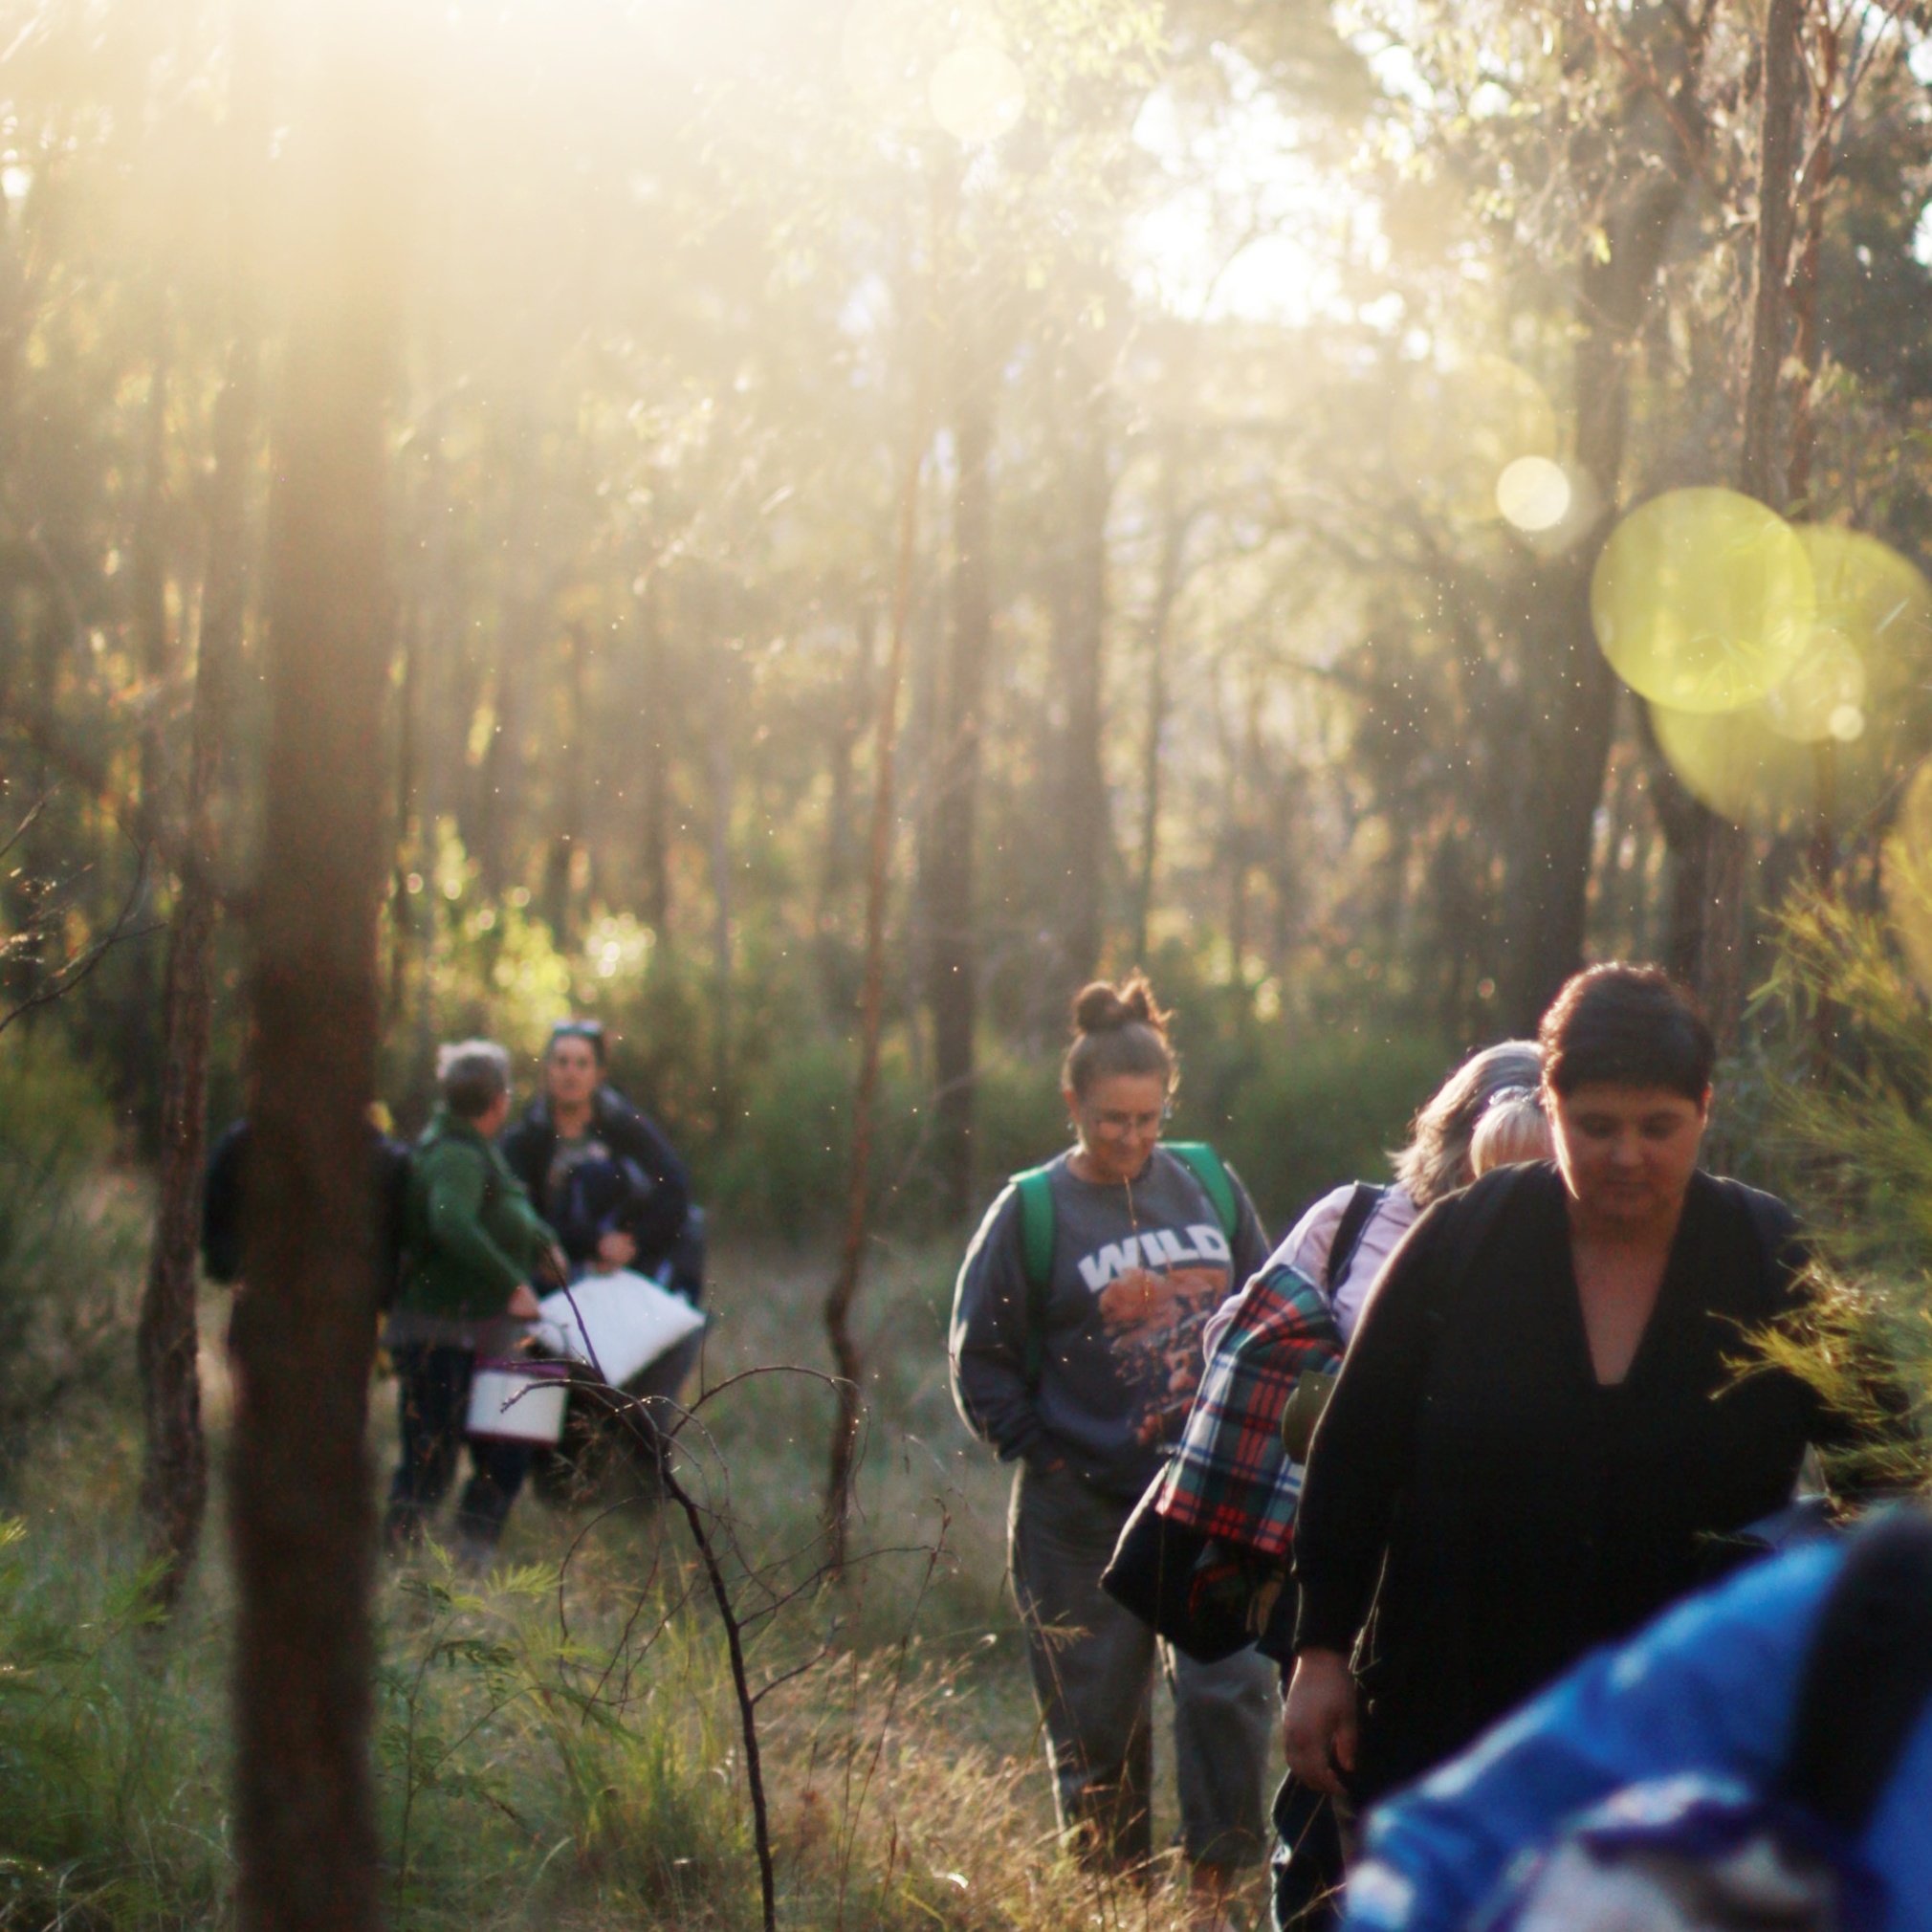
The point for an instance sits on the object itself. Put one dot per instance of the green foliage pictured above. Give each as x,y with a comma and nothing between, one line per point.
72,1239
1301,1111
1846,1087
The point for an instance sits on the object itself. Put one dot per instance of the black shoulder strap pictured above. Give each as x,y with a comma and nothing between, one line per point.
1364,1198
1868,1673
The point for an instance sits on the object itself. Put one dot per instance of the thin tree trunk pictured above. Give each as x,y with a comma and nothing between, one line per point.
406,840
953,960
655,858
562,868
847,1362
723,785
1727,862
174,1476
1174,535
154,650
304,1525
1082,774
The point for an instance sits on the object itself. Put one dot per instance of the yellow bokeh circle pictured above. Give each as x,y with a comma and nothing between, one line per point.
1702,600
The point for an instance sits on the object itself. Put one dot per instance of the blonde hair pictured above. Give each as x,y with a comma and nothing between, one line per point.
1437,1159
1513,1128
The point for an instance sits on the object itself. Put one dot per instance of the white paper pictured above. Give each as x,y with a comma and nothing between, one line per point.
616,1324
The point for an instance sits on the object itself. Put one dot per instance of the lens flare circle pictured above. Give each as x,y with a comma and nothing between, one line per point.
1533,494
1702,600
978,93
1827,685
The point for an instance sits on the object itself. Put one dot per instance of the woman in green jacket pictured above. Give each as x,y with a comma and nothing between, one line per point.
471,1244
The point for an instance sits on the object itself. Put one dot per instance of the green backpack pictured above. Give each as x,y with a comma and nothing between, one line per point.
1035,1188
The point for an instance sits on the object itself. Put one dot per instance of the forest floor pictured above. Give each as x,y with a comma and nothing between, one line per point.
561,1744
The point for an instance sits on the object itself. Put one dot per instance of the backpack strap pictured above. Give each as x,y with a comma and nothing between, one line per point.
1209,1169
1364,1198
1868,1671
1035,1189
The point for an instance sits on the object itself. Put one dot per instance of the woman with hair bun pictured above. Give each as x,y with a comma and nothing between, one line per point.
1076,1352
1539,1437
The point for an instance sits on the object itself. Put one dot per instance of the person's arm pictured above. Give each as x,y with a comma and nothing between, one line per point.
1360,1455
455,1188
986,1348
654,1219
1710,1688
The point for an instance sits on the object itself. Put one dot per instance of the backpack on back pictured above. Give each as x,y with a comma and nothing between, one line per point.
1703,1853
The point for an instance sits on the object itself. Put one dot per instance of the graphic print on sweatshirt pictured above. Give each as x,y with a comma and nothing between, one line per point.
1155,1291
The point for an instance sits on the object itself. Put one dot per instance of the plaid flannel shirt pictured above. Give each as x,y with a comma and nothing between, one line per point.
1231,1479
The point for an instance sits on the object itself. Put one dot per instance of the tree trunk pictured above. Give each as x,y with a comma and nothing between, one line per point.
954,957
654,860
562,868
153,652
1082,774
846,1360
174,1476
304,1525
1573,687
1174,527
1728,853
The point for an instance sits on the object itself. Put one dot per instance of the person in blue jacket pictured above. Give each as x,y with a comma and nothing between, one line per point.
1711,1688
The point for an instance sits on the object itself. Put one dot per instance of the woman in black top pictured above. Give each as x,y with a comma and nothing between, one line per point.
1539,1434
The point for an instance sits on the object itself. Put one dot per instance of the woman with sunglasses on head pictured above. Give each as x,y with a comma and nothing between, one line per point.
1076,1350
599,1172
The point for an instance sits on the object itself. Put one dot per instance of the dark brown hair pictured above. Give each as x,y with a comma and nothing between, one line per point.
1116,1029
1627,1027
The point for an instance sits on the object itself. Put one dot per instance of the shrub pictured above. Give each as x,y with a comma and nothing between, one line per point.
73,1242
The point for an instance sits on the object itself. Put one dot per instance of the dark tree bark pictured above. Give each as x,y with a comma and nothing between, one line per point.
154,651
654,860
174,1474
1572,684
561,867
1082,774
846,1359
1728,853
303,1523
954,957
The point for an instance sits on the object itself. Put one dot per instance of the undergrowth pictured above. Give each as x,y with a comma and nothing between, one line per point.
561,1746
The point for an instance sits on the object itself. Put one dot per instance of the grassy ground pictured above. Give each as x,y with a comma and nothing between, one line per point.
561,1745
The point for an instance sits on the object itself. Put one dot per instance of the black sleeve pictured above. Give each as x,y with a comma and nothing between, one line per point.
1360,1459
657,1217
221,1206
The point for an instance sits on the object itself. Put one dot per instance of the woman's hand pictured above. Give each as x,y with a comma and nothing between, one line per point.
1318,1722
523,1305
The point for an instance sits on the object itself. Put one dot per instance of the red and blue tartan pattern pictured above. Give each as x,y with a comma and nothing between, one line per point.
1231,1477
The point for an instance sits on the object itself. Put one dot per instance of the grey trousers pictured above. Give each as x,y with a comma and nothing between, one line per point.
1092,1665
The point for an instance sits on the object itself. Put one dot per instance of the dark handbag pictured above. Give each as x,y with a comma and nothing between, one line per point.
1204,1596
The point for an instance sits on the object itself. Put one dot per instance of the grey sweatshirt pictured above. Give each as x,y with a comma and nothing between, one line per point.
1136,1272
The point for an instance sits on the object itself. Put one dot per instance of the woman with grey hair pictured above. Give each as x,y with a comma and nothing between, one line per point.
1342,1241
471,1244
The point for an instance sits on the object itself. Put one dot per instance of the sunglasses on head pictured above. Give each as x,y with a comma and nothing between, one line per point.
590,1030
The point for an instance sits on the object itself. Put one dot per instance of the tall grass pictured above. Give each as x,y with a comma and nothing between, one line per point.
561,1746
